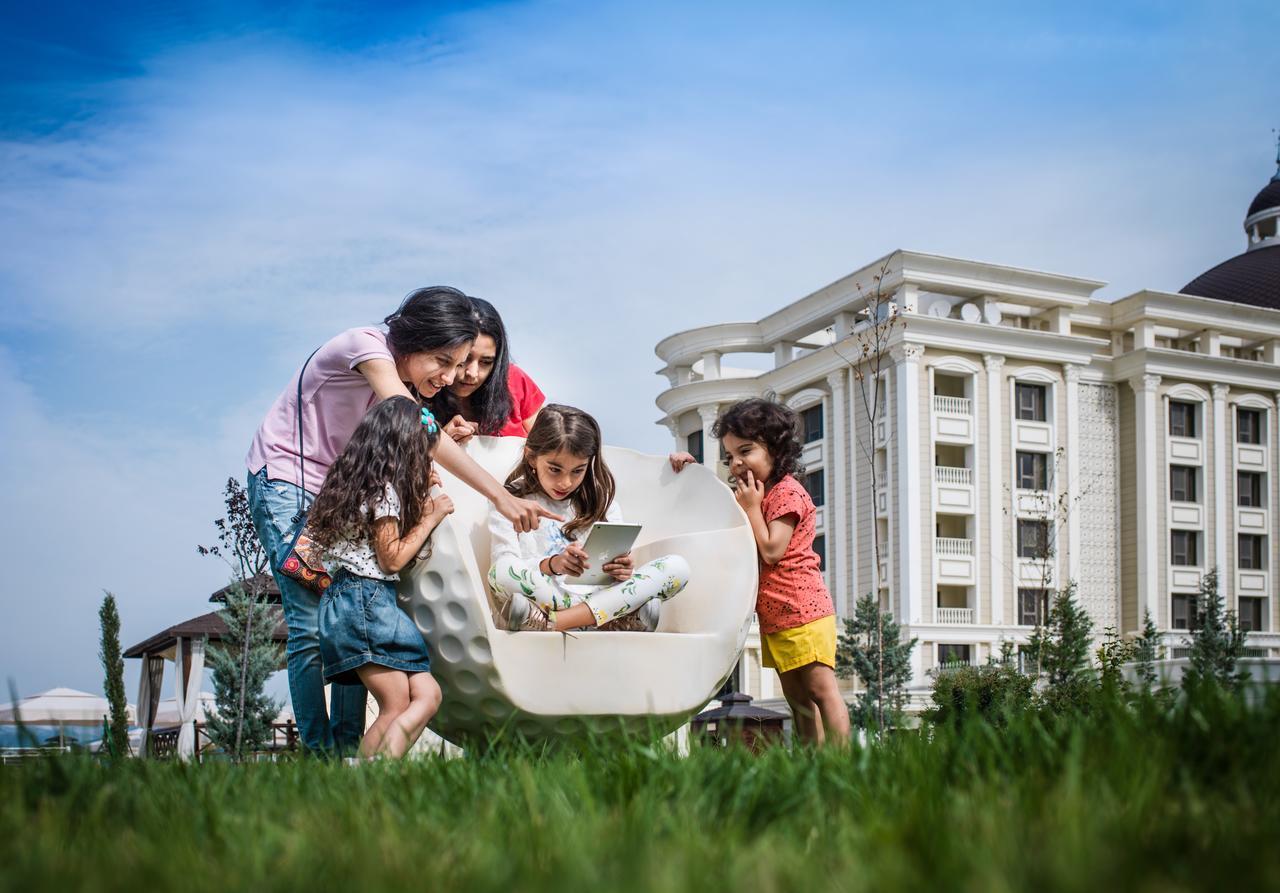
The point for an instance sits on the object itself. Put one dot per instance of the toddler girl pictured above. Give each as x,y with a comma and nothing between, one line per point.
563,470
797,617
373,516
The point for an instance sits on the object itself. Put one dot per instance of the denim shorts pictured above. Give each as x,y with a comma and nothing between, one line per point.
361,623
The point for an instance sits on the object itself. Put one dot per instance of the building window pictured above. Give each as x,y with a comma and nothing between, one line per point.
1249,489
1033,606
1033,471
811,418
820,547
694,445
1184,548
1033,539
949,655
1249,552
1182,419
1182,483
1184,611
1029,400
1250,614
816,483
1248,426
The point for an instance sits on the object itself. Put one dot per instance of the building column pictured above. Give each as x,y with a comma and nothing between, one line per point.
995,477
1071,373
1220,489
1146,430
1273,504
907,359
710,446
837,520
710,365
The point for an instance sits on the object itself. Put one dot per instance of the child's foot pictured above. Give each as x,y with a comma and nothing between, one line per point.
516,613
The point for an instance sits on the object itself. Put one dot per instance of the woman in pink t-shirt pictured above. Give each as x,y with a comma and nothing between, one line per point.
491,395
425,344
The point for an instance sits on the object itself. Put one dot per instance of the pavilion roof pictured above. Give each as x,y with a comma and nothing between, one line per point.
206,625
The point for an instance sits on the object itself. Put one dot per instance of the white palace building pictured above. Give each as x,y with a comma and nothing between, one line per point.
1137,441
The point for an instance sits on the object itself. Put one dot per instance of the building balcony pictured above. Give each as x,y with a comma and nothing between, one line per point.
952,419
953,560
1184,577
953,489
954,615
1251,520
1034,503
1186,514
1186,450
882,502
1253,582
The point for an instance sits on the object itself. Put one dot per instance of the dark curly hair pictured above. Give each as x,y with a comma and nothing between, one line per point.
769,423
563,427
391,445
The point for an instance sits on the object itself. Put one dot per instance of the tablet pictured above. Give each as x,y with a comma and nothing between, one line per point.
604,542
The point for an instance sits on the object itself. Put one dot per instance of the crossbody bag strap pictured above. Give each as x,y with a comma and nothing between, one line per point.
302,466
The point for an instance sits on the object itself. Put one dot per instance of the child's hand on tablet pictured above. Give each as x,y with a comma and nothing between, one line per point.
619,568
569,563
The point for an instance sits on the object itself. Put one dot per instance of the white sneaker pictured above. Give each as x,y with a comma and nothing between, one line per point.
517,613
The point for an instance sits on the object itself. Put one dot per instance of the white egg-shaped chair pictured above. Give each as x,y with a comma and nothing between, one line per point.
546,685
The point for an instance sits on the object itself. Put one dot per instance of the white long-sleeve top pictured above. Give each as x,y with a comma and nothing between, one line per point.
526,550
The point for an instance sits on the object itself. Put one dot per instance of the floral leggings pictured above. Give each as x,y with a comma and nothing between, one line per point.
661,578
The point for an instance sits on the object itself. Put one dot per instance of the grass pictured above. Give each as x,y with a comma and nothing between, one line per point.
1138,799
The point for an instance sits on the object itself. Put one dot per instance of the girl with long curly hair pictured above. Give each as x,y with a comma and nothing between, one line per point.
797,617
374,517
563,470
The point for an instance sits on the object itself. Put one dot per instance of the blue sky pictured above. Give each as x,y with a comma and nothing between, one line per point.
191,200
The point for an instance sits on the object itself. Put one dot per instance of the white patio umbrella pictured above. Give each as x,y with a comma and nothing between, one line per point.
59,706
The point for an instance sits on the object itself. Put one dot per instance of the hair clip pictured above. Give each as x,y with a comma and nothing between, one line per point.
430,421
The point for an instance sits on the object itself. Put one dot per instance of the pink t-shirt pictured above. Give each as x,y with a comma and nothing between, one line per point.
526,399
335,398
792,592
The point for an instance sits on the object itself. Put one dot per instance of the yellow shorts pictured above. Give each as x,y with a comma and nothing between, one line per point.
790,649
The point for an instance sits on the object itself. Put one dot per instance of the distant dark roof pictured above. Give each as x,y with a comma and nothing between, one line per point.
1269,197
265,584
210,625
1249,278
737,706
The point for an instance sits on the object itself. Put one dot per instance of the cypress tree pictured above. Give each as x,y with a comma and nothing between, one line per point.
116,737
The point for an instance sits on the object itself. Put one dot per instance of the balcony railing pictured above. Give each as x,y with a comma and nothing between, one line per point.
952,405
952,547
946,474
955,615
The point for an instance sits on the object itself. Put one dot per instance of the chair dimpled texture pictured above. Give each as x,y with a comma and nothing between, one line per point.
549,685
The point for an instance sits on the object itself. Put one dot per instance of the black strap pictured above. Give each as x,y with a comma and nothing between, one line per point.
302,467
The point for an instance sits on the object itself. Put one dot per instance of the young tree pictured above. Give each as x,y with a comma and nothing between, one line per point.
116,739
872,334
1113,654
1146,651
883,669
1060,650
238,665
1217,643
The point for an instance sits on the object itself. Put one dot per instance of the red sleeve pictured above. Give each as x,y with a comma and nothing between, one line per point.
786,498
526,396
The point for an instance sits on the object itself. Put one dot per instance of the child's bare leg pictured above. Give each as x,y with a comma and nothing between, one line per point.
804,713
424,701
390,688
574,618
819,681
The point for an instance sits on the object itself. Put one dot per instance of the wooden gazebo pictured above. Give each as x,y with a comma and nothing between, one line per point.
183,643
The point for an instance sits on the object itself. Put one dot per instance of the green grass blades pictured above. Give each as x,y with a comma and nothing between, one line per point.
1139,798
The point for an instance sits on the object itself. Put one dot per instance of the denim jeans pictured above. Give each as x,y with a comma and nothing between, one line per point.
273,505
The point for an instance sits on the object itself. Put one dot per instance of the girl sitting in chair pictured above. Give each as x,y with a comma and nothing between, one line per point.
563,470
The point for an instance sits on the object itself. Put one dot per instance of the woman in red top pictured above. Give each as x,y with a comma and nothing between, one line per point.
491,395
797,617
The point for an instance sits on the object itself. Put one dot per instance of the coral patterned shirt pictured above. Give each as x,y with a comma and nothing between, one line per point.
792,592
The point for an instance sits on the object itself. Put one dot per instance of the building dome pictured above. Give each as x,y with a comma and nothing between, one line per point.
1253,277
1268,198
1249,278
